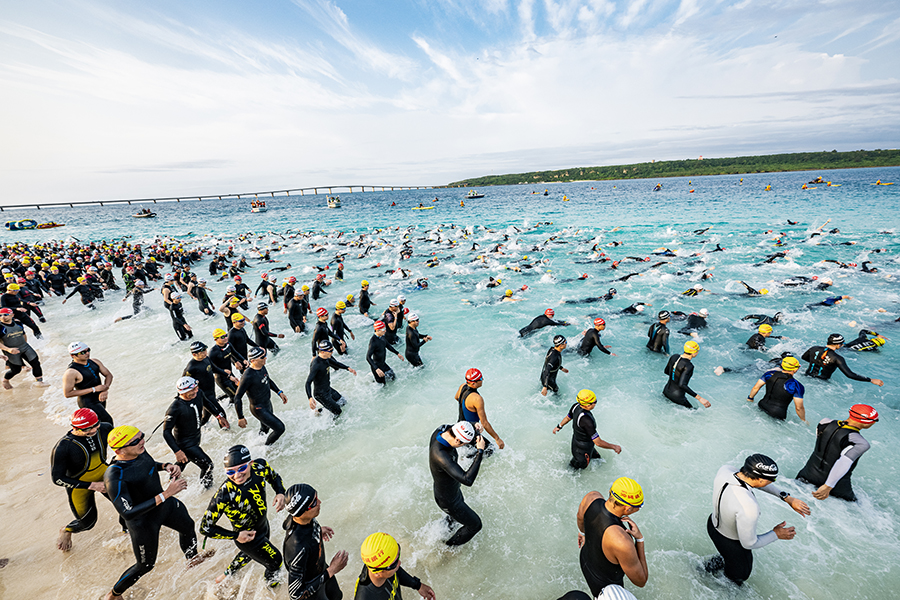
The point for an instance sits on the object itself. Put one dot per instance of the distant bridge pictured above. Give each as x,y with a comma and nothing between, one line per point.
331,189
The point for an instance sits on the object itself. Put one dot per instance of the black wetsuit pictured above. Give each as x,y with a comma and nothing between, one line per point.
389,590
414,341
317,290
781,389
390,333
259,387
552,365
304,557
239,340
339,328
364,302
223,359
246,507
598,571
590,341
176,310
318,383
133,486
761,320
182,431
633,309
862,342
297,310
448,475
376,355
540,322
206,373
76,462
90,377
694,322
659,338
757,341
584,432
679,370
832,440
322,332
823,362
262,334
205,303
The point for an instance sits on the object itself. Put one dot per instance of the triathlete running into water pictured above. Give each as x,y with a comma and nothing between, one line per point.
585,439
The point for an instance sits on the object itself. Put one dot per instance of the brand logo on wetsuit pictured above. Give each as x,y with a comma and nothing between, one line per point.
257,496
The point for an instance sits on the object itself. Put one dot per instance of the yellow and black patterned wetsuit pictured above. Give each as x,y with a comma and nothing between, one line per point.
245,506
76,462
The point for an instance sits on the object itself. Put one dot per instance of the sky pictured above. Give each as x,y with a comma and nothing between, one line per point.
127,99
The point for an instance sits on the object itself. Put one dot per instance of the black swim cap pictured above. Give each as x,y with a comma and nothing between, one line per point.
778,316
325,346
663,315
613,291
237,455
835,338
559,340
197,346
255,353
760,466
299,496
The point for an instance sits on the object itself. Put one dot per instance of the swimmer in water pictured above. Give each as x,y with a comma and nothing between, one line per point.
680,369
658,334
839,446
541,321
552,365
695,322
471,406
764,319
752,292
823,362
863,343
592,339
732,524
781,390
585,439
448,476
757,341
612,545
636,308
829,302
609,295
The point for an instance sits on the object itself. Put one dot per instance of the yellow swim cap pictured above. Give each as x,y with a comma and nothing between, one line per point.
764,291
304,288
219,333
234,301
379,551
349,297
341,305
499,281
365,283
586,398
13,287
691,347
879,341
789,363
237,317
508,293
627,491
765,329
121,436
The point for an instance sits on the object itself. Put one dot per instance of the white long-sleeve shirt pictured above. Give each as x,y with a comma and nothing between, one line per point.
736,513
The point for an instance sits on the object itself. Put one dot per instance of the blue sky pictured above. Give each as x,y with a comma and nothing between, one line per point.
133,99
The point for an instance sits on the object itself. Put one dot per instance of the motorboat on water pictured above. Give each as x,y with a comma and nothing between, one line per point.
258,206
473,194
145,213
21,225
334,201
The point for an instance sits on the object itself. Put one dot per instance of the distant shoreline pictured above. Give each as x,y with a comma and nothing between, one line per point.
739,165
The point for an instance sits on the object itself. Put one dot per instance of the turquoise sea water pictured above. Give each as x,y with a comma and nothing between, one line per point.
370,467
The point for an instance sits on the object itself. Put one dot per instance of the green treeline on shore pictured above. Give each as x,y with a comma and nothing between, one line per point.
771,163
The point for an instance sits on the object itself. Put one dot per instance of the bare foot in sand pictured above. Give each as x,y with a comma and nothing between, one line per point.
3,562
200,558
111,596
64,542
6,384
221,577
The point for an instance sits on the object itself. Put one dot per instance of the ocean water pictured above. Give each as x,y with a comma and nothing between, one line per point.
370,466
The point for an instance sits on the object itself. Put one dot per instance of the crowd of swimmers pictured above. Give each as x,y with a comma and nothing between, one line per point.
220,376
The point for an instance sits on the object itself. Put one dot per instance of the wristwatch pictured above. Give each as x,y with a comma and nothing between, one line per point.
784,495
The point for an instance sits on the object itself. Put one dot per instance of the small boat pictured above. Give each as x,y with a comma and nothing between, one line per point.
473,194
21,225
50,225
423,208
145,213
258,206
334,201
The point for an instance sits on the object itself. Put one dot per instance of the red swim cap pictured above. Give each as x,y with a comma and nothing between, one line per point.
599,321
549,312
84,418
379,325
321,312
863,413
473,375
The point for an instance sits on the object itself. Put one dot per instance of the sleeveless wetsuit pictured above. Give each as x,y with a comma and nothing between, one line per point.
679,370
464,413
823,362
90,377
598,571
584,432
835,441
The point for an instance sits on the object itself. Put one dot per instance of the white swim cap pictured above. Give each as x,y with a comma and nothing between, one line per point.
615,592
